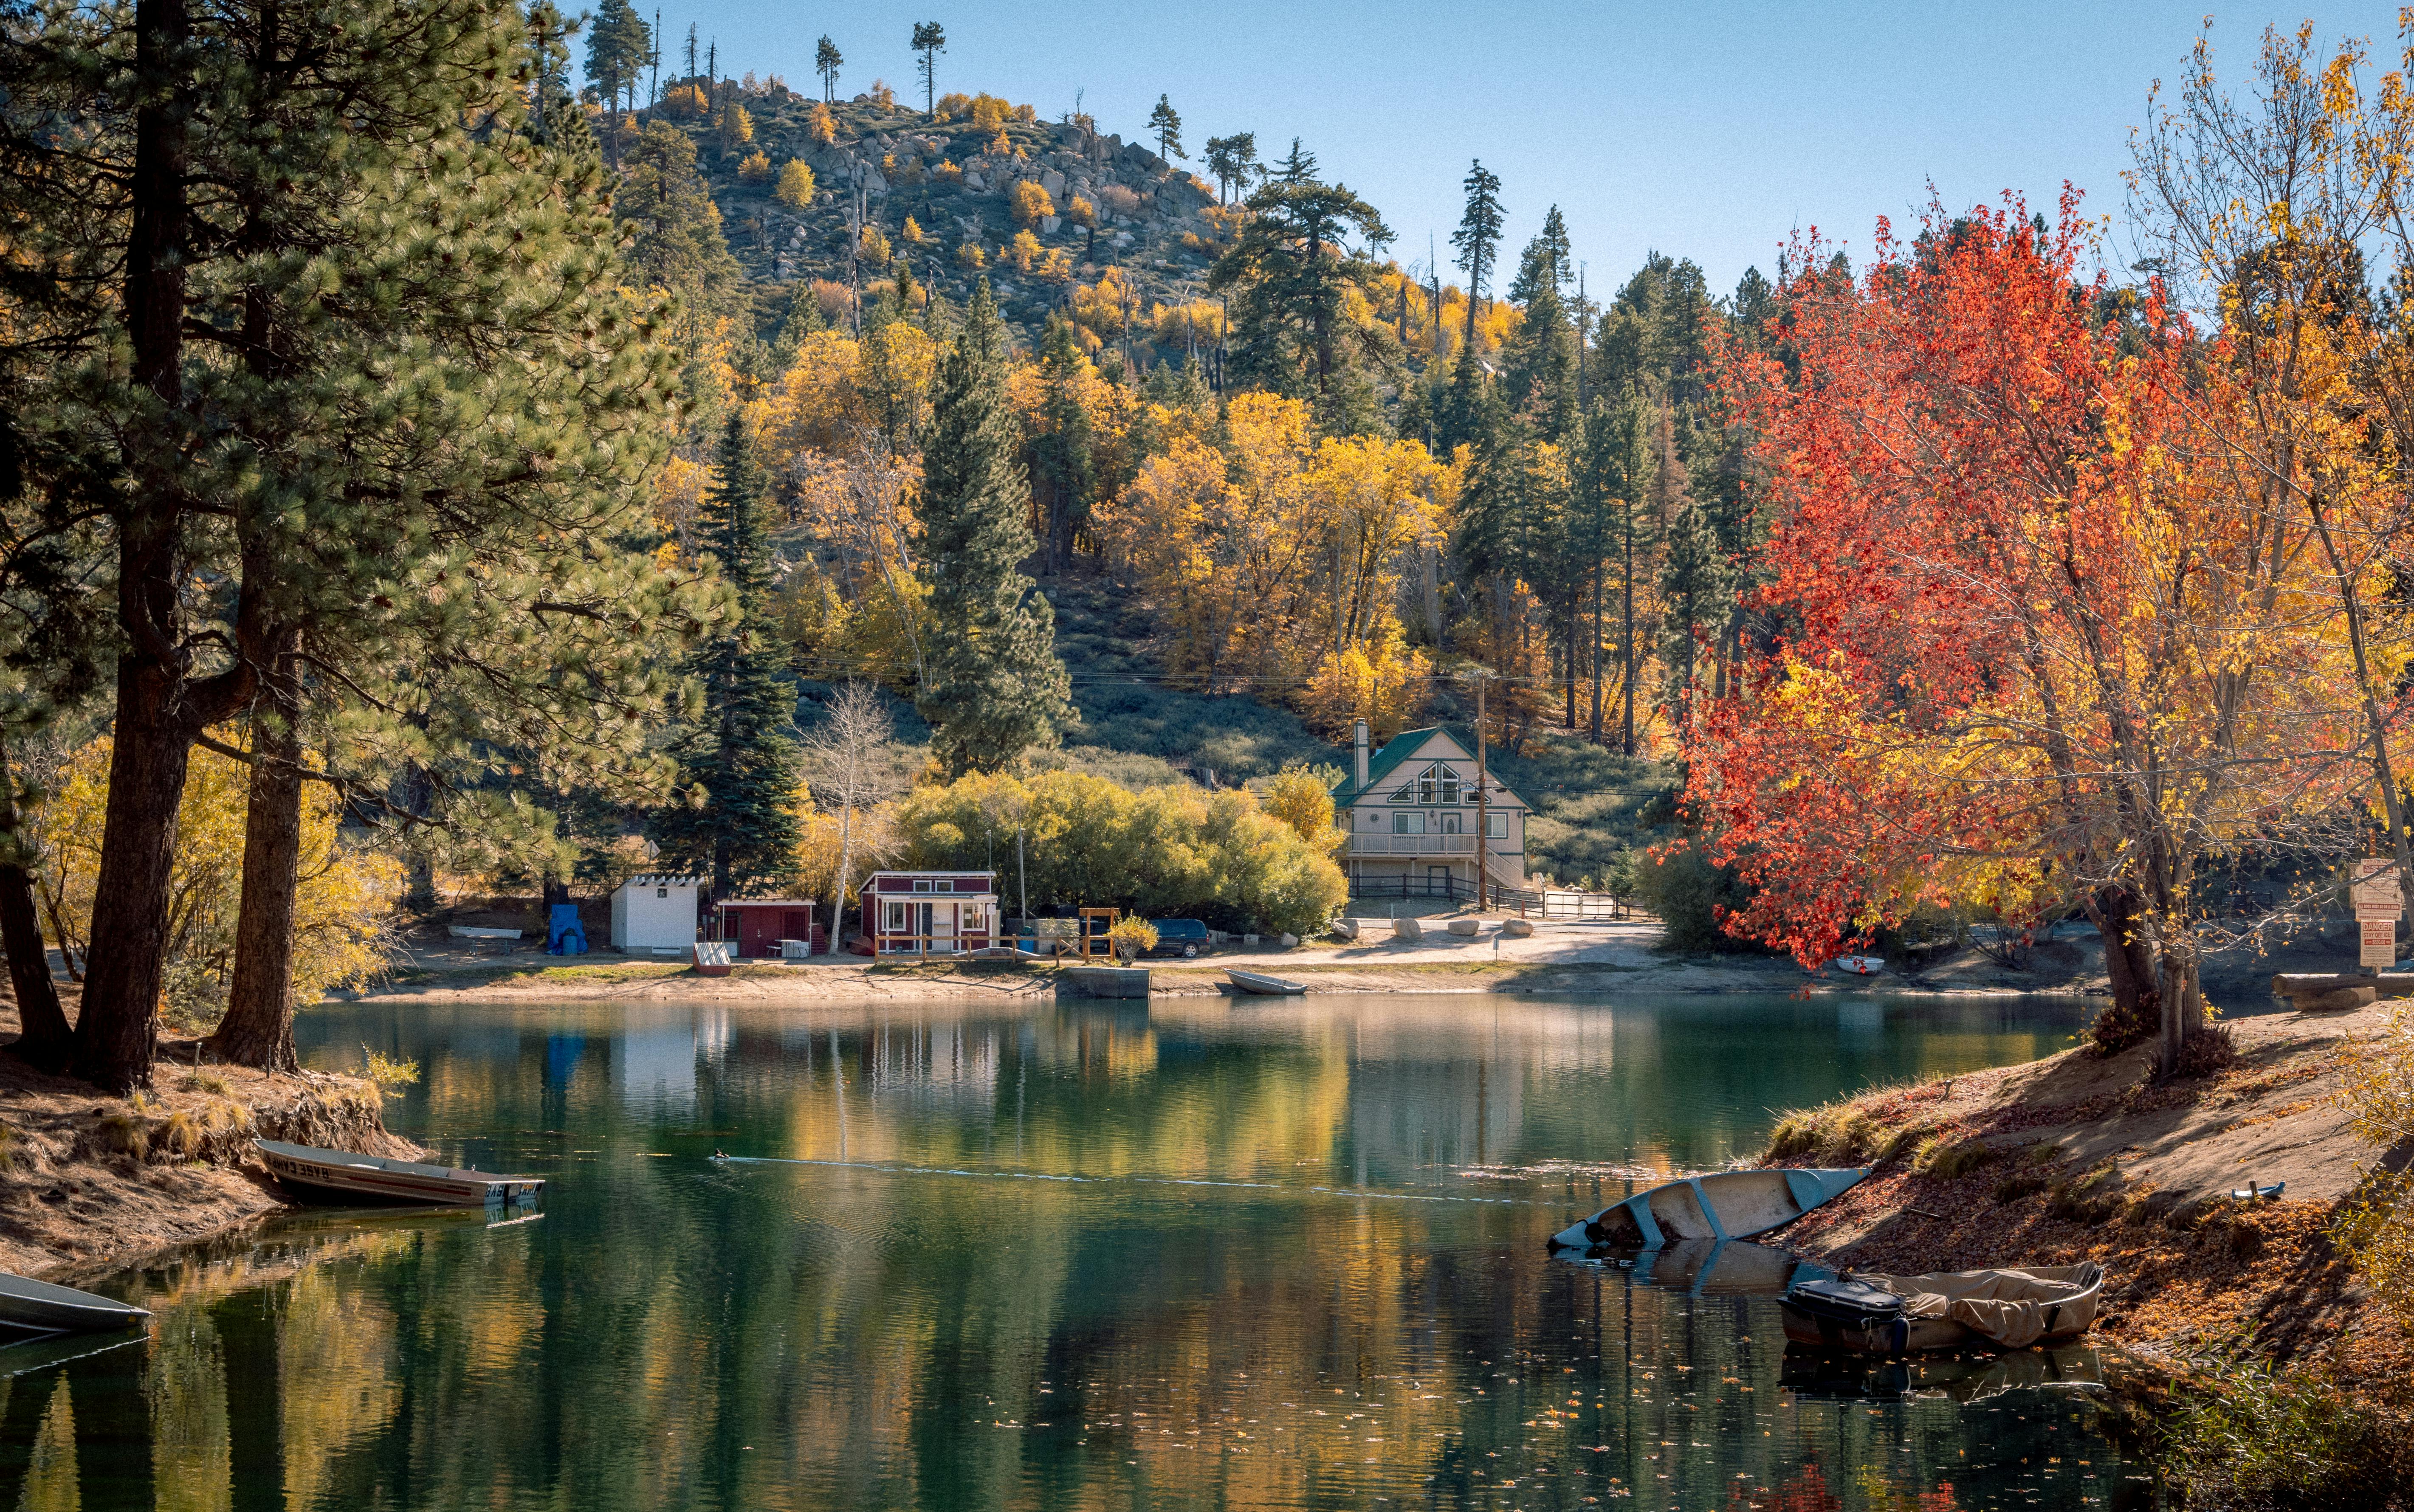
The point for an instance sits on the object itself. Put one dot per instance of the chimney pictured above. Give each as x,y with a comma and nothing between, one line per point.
1360,734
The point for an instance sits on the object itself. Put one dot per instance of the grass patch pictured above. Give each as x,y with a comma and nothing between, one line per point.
1851,1131
1946,1159
211,1082
2247,1436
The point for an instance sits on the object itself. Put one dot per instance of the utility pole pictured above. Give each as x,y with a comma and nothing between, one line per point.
1022,876
1483,800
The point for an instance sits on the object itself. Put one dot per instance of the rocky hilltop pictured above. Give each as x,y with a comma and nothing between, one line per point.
942,194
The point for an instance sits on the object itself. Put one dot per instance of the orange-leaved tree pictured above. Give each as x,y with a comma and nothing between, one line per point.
2043,648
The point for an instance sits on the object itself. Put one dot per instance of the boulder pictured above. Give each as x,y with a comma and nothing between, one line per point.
1052,182
1518,929
1048,224
976,184
1409,929
1288,940
1465,928
1346,928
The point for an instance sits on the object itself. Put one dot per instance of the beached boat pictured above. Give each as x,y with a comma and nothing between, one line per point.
1861,965
341,1175
1891,1315
1724,1204
46,1308
1262,985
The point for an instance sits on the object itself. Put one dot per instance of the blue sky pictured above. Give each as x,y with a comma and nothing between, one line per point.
1708,131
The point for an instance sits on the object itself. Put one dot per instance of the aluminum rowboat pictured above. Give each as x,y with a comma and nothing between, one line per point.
1723,1204
341,1175
1262,985
27,1303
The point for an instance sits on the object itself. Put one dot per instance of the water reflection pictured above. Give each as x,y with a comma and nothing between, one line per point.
1288,1257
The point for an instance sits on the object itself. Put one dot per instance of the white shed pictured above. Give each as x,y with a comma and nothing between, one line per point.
655,913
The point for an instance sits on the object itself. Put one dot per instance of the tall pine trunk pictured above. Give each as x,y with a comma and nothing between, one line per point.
129,911
258,1030
44,1039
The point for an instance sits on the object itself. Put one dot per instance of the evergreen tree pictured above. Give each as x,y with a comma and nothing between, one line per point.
665,208
741,755
1478,237
930,39
826,62
1231,160
1165,124
1062,455
1548,259
618,47
1539,370
421,273
995,686
1289,275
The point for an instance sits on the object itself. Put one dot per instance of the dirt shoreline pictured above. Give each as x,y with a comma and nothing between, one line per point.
91,1183
2074,1158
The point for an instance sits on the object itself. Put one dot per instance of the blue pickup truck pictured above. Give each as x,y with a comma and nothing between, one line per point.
1180,937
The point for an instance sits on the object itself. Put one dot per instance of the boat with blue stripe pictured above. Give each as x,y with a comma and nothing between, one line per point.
1723,1204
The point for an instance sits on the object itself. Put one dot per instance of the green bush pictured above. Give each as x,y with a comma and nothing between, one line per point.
2246,1436
1690,895
1176,851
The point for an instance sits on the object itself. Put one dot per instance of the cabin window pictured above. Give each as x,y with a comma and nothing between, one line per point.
1406,794
1407,823
1449,785
922,886
943,885
661,891
1496,826
1425,786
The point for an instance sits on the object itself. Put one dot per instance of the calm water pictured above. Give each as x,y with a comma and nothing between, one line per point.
1198,1254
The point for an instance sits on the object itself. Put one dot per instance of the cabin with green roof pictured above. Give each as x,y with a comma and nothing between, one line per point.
1410,810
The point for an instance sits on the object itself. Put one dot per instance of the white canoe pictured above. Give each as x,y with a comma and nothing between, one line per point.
28,1303
1263,985
341,1175
1723,1204
1861,965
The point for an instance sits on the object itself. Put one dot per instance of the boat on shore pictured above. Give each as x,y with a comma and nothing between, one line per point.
44,1308
341,1175
1888,1316
1260,985
1723,1204
1861,965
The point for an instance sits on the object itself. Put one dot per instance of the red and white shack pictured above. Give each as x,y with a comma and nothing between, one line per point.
760,926
928,912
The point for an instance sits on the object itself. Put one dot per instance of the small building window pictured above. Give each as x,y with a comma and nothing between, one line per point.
1496,826
922,886
943,885
661,891
1407,823
1449,785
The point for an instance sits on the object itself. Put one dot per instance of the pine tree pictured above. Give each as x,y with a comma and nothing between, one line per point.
1231,160
930,39
1548,259
1062,455
1478,237
995,686
741,755
617,46
665,208
826,62
1165,124
1539,370
1289,275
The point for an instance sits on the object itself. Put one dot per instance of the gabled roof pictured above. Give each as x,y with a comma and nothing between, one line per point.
1398,750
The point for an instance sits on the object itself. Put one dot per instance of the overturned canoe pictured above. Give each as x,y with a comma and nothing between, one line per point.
340,1176
1261,985
1724,1204
1892,1315
47,1307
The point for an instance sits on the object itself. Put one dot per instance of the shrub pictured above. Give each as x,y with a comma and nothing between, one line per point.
952,106
820,127
969,255
910,232
1030,201
212,1082
796,187
946,172
1131,938
2243,1435
989,112
1946,1159
881,95
1690,895
1021,253
875,247
2376,1225
686,101
2204,1052
755,168
1170,851
2116,1028
388,1076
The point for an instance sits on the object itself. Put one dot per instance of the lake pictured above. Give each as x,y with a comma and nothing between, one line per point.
1193,1253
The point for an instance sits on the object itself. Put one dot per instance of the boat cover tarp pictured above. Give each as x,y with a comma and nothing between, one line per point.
2013,1308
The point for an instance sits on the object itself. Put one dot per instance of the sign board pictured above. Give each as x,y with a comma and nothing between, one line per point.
2376,891
2379,942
